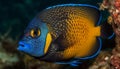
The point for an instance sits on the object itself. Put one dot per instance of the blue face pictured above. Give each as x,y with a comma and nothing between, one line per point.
33,41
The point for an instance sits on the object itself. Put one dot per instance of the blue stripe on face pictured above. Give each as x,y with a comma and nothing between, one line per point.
42,39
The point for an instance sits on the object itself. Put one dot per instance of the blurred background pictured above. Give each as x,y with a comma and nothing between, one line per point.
16,14
14,17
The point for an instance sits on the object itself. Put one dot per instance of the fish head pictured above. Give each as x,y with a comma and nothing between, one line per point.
36,39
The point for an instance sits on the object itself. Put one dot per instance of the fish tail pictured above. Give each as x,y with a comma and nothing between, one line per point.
107,31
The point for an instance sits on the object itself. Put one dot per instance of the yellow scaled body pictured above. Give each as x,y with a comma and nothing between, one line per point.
80,35
73,28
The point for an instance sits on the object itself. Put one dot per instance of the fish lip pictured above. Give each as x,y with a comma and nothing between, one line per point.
21,46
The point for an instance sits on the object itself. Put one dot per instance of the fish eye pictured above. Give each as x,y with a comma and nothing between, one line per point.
35,32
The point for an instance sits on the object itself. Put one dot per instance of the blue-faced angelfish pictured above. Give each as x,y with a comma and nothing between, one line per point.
64,34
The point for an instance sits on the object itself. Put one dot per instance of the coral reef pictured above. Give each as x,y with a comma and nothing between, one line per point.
9,57
113,7
102,61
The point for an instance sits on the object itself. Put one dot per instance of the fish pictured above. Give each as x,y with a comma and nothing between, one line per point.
65,34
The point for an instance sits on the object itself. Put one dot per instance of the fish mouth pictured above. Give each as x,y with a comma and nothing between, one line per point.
21,46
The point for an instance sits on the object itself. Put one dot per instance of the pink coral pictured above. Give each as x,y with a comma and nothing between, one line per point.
115,61
117,4
114,9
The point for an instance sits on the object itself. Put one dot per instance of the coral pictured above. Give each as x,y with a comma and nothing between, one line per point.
102,61
113,7
42,65
8,54
31,63
115,61
104,5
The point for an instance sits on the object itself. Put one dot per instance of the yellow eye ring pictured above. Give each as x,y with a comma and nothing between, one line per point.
35,32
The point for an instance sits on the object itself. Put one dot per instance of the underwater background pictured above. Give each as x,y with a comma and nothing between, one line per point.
14,17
